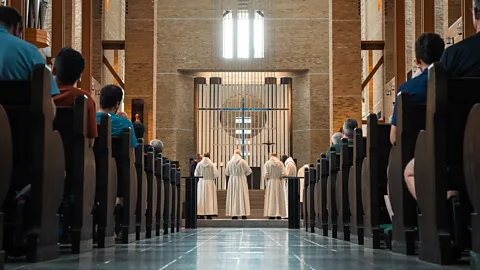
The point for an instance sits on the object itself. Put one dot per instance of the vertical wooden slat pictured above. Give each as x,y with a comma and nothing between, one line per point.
87,43
399,22
115,64
428,16
468,29
19,5
58,27
370,83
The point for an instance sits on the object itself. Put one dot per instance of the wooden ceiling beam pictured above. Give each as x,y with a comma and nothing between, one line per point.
373,45
113,44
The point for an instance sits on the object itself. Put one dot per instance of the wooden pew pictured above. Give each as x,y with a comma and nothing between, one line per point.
471,165
306,198
152,190
38,161
322,186
355,185
410,120
141,208
374,185
6,155
173,195
127,183
167,168
178,178
106,186
159,175
439,165
343,207
334,167
80,181
318,221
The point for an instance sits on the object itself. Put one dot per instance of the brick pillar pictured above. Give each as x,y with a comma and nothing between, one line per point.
98,36
345,63
140,58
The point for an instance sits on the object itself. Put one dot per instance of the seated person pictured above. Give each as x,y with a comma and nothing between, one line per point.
110,98
428,49
18,57
157,146
348,128
67,69
461,60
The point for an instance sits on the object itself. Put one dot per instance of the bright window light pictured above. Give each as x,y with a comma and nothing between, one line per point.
248,120
258,35
227,34
243,34
247,131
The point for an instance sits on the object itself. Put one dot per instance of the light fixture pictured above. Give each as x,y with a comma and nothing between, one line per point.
388,92
449,40
460,29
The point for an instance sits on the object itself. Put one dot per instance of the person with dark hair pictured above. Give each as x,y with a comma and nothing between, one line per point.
110,98
206,188
463,58
18,57
67,69
193,164
429,48
139,128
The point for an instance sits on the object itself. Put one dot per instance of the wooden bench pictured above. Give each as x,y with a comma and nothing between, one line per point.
309,198
141,208
410,120
322,193
37,161
167,173
106,186
152,190
334,167
173,195
127,183
355,185
79,193
6,155
374,184
343,207
179,203
439,165
471,165
159,175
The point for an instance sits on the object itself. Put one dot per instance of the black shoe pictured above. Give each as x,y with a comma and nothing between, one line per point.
234,217
209,217
279,217
271,217
244,217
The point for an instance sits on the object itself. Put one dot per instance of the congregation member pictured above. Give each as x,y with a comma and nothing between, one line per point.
67,69
122,114
348,128
18,57
274,206
301,175
238,200
206,189
291,171
336,142
157,146
193,164
428,49
138,127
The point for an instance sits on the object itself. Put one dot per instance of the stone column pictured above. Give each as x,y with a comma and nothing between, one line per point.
98,36
140,59
345,63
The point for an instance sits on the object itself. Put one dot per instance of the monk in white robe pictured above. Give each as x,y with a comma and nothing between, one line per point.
238,200
291,171
206,188
274,206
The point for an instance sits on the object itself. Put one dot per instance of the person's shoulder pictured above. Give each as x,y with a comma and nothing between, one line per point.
470,43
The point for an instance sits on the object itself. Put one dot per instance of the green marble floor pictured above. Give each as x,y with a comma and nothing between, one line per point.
232,249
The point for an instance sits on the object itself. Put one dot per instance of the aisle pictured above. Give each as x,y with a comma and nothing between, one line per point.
233,249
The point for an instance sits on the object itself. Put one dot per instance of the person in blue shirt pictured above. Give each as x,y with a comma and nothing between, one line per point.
429,48
110,98
17,57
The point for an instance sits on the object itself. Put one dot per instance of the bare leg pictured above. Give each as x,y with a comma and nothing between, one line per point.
409,175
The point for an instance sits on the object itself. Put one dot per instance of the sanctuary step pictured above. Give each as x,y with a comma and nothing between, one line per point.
249,223
257,197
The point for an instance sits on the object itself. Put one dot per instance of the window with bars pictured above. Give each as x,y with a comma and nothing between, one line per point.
243,34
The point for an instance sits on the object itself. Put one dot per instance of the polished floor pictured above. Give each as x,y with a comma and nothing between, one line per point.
234,249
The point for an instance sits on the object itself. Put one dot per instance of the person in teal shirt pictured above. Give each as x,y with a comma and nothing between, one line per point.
17,57
110,98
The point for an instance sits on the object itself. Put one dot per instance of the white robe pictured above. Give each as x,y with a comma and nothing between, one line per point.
301,173
238,200
275,192
206,188
290,170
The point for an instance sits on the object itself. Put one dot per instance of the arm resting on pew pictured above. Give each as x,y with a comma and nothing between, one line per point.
393,134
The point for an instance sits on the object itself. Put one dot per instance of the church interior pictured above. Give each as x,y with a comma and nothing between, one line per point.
253,134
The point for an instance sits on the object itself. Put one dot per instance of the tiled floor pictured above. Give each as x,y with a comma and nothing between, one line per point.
233,249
